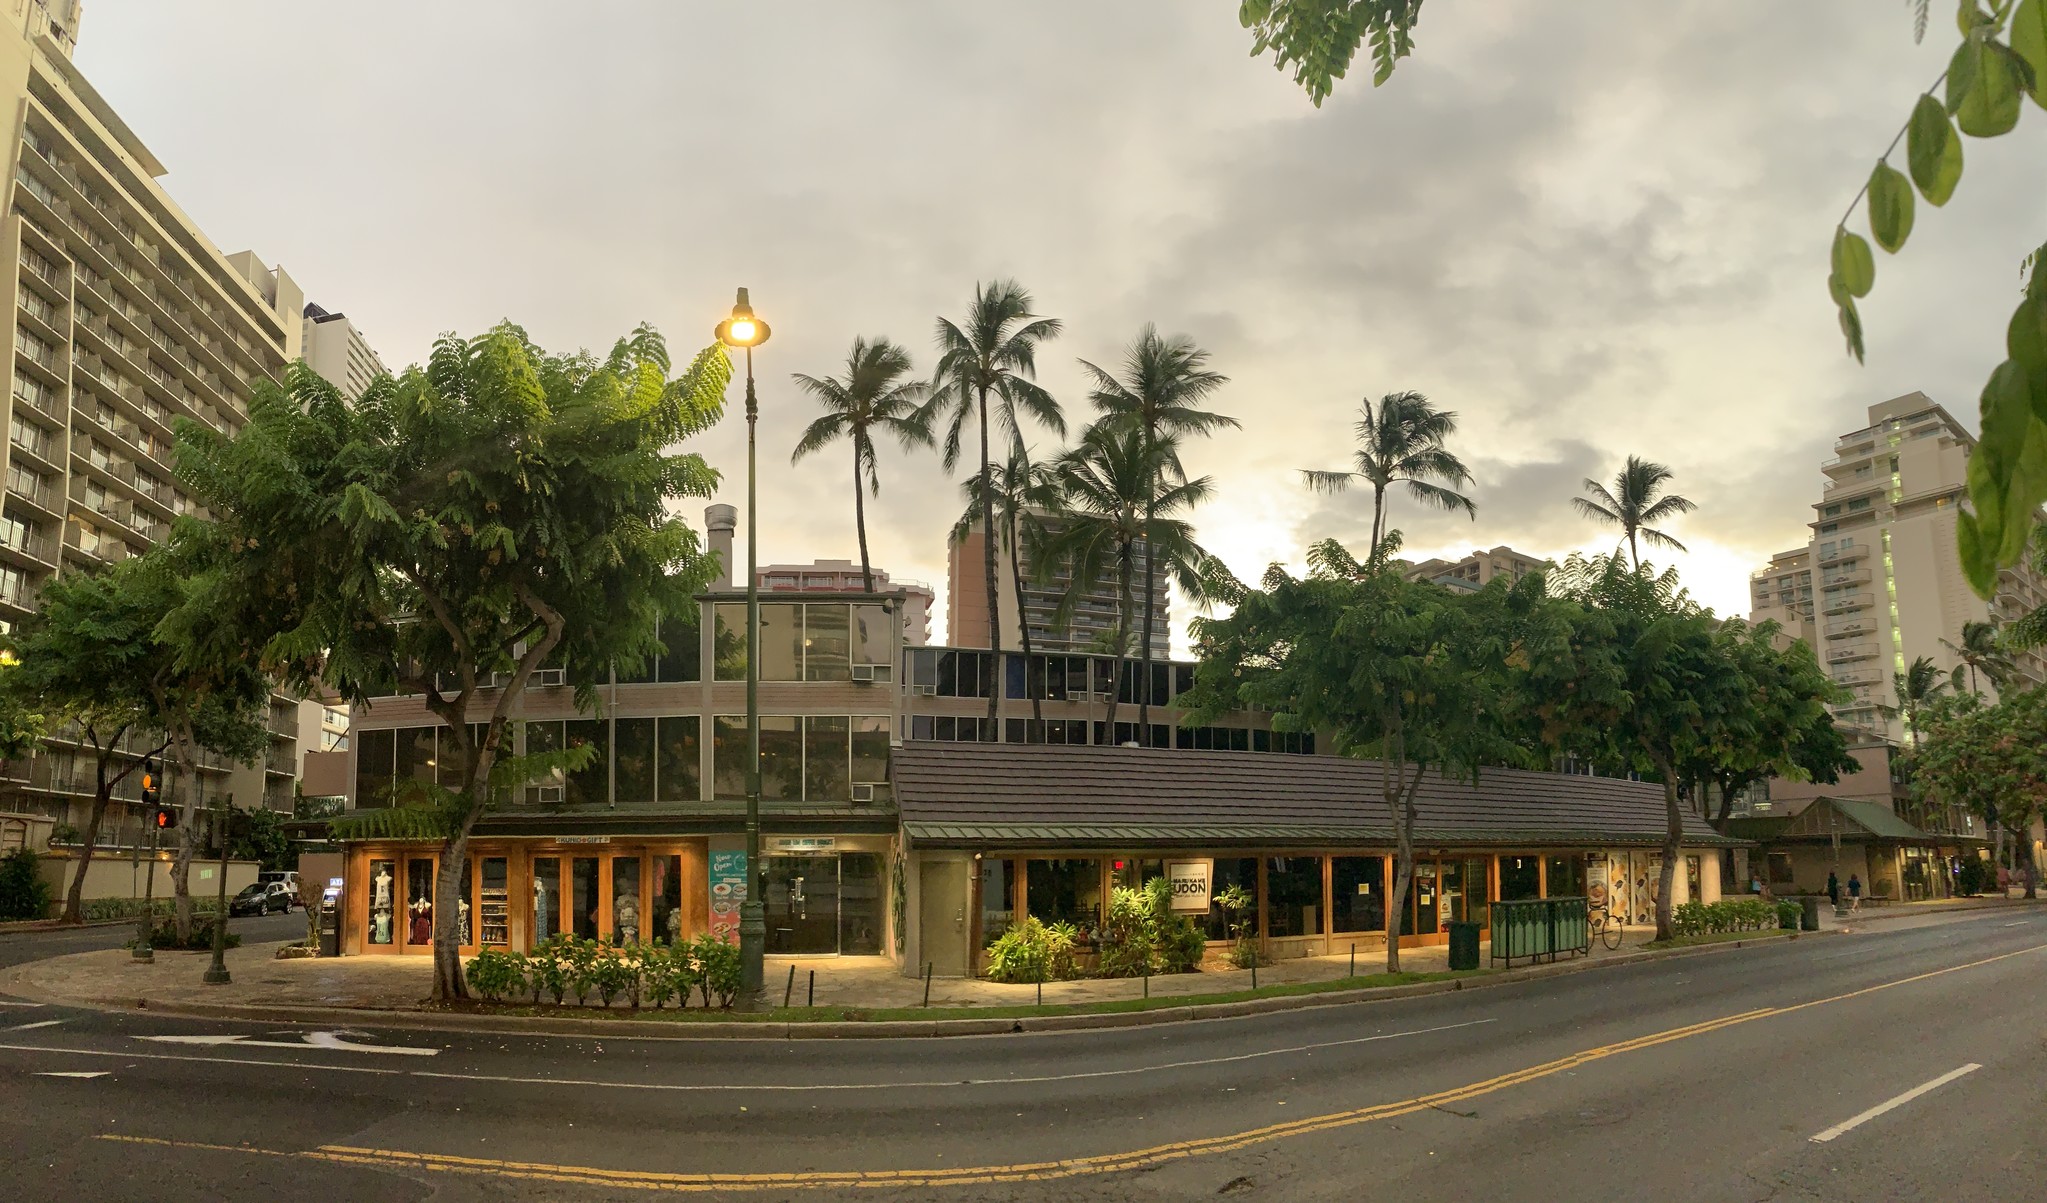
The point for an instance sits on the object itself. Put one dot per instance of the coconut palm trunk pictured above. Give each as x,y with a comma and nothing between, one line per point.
1151,578
1122,639
988,563
860,521
1023,622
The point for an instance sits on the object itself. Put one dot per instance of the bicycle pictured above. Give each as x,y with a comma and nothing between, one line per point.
1603,927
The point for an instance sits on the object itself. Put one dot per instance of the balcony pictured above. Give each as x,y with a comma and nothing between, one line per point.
1842,653
1846,602
1858,676
1855,624
44,449
38,494
19,594
23,541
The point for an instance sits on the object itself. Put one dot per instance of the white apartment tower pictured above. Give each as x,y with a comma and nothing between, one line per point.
1880,583
127,319
334,348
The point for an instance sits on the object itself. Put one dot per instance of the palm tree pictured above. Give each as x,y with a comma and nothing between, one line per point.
1163,384
1633,504
1982,649
1915,687
992,351
1023,491
1109,484
1402,443
871,396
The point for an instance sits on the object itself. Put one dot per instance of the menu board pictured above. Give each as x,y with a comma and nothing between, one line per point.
728,891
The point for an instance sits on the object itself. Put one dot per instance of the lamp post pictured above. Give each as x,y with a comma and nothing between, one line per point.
743,329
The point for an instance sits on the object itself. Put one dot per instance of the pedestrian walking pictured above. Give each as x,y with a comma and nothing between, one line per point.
1834,889
1854,892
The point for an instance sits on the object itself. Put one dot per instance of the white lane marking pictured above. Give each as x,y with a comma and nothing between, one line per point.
72,1073
2013,923
19,1004
325,1040
27,1027
703,1087
1894,1102
135,1056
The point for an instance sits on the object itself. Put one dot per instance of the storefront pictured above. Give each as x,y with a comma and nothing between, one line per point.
1000,831
1892,859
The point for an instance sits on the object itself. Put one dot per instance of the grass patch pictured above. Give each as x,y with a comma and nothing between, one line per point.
921,1014
1719,937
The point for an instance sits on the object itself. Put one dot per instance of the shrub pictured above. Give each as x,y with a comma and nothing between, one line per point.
716,964
548,968
666,974
496,974
23,892
64,833
202,938
613,972
1032,951
1974,876
1788,914
579,960
1184,947
1129,939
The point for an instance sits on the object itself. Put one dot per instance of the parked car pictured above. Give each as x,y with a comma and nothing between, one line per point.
289,877
262,898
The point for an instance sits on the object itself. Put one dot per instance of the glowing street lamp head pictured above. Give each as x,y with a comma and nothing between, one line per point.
742,329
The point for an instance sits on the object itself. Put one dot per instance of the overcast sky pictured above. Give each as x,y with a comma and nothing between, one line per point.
1590,229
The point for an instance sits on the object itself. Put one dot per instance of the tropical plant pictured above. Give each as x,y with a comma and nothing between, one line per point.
1115,505
496,974
23,892
615,971
1236,903
548,967
1914,687
1785,730
579,963
1025,493
1987,760
667,975
1402,442
1981,650
717,968
1164,382
449,533
1632,504
992,352
1032,950
872,396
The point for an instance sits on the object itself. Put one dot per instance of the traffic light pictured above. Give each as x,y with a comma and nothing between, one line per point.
151,786
165,817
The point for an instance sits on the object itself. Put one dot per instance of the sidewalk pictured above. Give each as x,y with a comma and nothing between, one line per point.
111,978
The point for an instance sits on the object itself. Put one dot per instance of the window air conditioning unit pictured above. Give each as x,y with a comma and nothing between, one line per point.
863,672
863,792
544,794
550,676
929,691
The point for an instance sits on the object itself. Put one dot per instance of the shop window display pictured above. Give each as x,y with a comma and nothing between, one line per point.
547,898
1065,891
998,894
1519,878
1357,887
383,910
1293,889
494,907
625,899
419,904
583,902
860,893
664,900
1231,871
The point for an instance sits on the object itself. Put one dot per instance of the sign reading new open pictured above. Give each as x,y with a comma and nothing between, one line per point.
1189,879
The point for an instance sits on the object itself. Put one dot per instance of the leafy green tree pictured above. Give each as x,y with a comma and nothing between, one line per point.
1025,493
1990,760
1405,673
1785,730
1632,504
1402,442
1115,502
2000,60
992,352
259,836
1669,691
872,396
1982,651
493,511
1163,384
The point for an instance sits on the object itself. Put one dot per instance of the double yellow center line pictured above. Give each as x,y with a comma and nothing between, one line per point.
1071,1167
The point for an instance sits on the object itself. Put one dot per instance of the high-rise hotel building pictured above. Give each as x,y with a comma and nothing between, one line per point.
127,318
1879,583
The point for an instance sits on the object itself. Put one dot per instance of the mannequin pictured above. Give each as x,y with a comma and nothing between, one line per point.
462,920
540,931
627,915
422,920
382,897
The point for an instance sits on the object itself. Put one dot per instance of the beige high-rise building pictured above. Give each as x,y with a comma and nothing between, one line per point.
843,576
333,347
1880,583
1090,627
1474,570
127,318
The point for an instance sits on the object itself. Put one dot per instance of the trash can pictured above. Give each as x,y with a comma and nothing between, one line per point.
1464,945
1810,919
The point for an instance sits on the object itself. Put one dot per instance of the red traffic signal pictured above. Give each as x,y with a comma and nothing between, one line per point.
165,818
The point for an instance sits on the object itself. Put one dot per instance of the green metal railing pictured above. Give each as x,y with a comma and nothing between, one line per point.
1539,929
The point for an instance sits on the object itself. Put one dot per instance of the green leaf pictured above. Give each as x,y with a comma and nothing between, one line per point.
1253,12
1984,88
2008,470
1838,292
1853,262
1978,565
1890,207
1851,328
2025,340
1933,151
2029,42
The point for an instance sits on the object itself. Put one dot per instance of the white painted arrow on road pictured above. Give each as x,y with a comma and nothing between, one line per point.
326,1040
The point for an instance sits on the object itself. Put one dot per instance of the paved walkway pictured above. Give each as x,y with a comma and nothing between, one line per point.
111,978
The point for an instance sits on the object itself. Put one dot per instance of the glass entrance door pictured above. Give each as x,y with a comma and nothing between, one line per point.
802,897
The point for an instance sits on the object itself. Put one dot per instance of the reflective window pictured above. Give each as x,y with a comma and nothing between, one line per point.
728,641
781,642
1518,878
583,902
547,898
664,917
373,753
590,785
1567,877
419,902
827,647
385,892
728,756
1232,871
826,753
415,753
677,768
873,634
1293,891
1357,886
870,749
683,659
633,759
781,758
860,893
998,896
1065,891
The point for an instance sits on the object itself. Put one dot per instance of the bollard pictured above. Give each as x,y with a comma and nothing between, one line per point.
790,988
810,996
1353,960
1147,981
1254,973
927,983
1041,994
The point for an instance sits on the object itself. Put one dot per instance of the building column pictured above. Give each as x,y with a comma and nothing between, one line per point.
1264,905
1328,905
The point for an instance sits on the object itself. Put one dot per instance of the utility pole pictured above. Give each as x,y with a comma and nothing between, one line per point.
216,973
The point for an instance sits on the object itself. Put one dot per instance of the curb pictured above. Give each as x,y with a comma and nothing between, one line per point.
640,1029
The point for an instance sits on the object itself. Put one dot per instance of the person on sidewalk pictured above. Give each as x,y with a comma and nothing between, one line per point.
1854,892
1833,889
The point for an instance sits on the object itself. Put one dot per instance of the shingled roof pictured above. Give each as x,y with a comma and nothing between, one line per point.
979,795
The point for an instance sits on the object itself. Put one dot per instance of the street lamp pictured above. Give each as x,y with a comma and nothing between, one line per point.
743,329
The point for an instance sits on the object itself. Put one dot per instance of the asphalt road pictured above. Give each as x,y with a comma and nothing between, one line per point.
19,947
1698,1078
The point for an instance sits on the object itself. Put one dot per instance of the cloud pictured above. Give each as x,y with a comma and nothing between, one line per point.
1591,231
